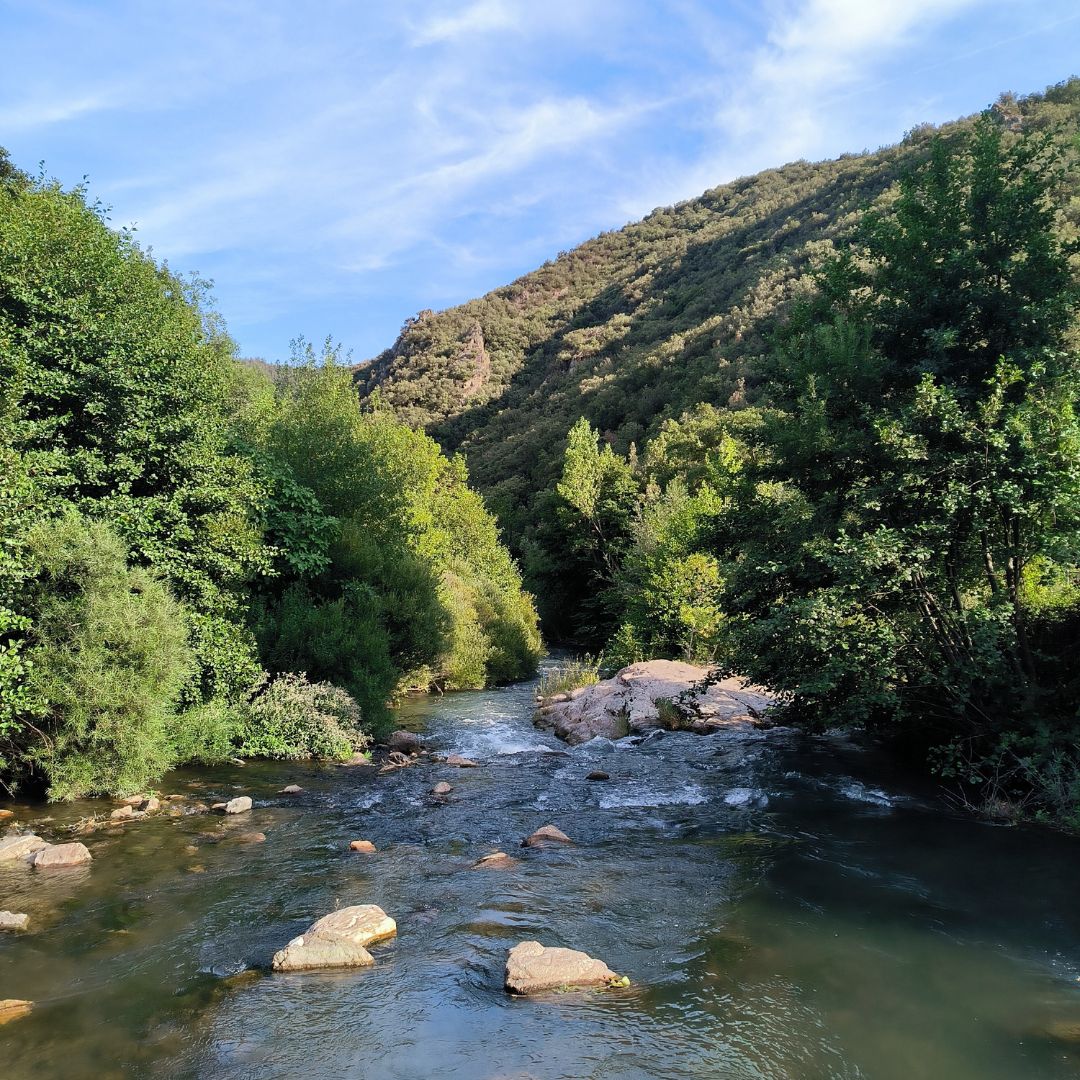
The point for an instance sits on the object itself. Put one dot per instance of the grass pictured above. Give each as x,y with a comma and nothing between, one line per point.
570,675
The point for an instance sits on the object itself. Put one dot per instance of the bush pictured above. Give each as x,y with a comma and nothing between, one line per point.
109,655
296,719
569,675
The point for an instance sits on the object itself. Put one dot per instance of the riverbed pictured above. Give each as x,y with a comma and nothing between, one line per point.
785,907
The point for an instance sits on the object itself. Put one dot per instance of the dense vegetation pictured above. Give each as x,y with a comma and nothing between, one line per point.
178,528
818,426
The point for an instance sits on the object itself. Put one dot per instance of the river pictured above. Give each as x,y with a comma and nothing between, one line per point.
785,907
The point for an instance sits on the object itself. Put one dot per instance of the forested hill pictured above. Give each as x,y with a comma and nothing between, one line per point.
638,325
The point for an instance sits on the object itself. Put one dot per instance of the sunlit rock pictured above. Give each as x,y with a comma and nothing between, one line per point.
20,847
339,939
74,854
530,968
546,834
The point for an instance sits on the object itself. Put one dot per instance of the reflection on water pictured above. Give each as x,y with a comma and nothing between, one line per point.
784,907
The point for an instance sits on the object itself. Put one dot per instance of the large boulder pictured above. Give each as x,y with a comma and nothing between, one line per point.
627,703
20,846
62,855
404,741
531,968
339,939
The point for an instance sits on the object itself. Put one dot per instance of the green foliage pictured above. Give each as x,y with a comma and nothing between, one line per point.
569,675
295,719
109,656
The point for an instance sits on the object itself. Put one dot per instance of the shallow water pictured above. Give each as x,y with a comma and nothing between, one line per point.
784,907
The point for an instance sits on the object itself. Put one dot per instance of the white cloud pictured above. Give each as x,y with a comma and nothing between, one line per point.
478,18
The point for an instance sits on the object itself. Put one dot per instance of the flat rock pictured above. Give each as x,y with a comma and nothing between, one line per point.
461,762
291,789
250,838
13,920
13,1008
133,801
337,940
530,968
598,774
365,846
74,854
20,846
497,860
546,834
442,788
626,704
150,804
405,741
240,805
124,813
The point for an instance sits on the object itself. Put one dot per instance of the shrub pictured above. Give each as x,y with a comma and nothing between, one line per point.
296,719
109,655
569,675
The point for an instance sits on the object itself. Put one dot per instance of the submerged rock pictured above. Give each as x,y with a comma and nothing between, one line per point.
13,1008
497,860
13,920
74,854
240,805
337,940
627,704
461,762
291,789
530,968
366,846
598,774
20,846
546,834
442,788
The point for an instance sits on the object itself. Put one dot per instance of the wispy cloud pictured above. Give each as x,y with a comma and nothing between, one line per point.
478,18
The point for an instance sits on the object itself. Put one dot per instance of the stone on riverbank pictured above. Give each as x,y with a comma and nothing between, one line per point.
13,920
530,968
627,704
20,846
546,834
74,854
337,940
366,846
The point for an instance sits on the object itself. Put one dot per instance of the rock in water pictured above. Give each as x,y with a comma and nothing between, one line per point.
627,703
366,846
291,789
405,741
337,940
461,762
5,814
442,788
13,920
62,855
530,968
125,813
598,774
12,1008
497,860
239,805
19,847
546,834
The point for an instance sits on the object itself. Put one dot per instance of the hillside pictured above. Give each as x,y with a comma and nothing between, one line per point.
637,325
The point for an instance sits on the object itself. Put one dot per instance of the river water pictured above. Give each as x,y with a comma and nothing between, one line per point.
783,906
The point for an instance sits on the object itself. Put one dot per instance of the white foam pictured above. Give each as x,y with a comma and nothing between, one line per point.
742,797
857,792
688,795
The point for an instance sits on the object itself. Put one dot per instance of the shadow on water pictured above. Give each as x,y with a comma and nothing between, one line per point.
784,906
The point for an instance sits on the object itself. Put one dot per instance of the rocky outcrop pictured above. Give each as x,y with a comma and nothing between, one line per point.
62,855
339,939
20,847
531,968
633,702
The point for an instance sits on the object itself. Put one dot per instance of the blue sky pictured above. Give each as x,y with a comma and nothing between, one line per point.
336,166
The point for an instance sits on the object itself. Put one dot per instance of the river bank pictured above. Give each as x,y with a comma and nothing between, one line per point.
783,907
